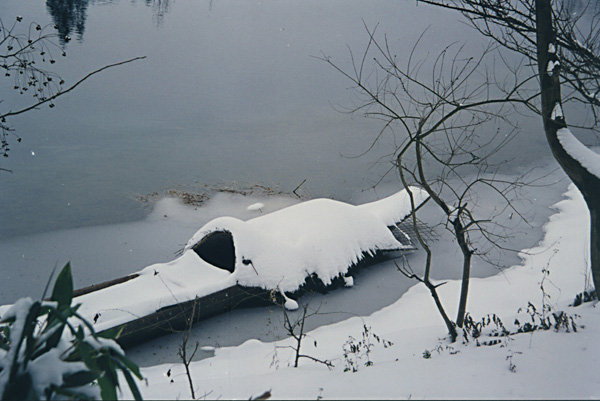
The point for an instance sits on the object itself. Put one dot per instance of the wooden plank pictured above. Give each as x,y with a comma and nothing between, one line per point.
176,318
110,283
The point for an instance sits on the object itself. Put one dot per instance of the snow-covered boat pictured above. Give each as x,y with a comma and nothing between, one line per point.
231,263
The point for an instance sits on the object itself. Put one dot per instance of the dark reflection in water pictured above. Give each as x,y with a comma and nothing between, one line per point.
70,15
159,9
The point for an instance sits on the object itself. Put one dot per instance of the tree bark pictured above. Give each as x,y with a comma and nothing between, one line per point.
587,183
595,241
438,303
466,275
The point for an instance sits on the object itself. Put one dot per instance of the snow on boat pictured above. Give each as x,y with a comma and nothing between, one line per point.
231,263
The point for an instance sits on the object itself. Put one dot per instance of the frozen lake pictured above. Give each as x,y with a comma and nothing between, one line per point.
230,91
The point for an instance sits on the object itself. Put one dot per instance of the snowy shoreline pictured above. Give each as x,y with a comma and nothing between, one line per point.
534,365
105,252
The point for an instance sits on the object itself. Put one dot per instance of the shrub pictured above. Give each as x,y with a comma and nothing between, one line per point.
357,350
39,359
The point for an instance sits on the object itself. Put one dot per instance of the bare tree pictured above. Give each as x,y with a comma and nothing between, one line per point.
453,123
566,48
296,329
24,53
182,351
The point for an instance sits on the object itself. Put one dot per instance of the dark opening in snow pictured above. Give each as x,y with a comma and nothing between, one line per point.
217,249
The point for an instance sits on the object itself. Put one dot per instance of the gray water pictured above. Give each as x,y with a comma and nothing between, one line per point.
230,91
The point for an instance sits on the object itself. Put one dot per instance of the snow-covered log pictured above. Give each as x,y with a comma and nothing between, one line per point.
321,236
230,263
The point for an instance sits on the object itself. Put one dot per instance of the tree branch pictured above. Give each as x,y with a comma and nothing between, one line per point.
69,89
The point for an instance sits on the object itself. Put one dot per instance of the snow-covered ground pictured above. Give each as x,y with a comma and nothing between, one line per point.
421,362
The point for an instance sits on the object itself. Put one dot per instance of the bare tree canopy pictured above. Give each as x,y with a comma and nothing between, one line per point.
513,25
565,46
451,117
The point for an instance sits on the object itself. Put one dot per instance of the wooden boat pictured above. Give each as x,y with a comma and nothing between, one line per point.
228,263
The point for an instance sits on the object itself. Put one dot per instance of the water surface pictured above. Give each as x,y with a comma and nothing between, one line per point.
230,91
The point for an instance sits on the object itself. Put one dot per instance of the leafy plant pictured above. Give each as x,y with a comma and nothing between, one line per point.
583,297
427,354
357,350
39,358
545,320
489,326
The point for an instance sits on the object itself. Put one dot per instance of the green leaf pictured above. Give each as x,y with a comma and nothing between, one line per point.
105,362
111,334
71,394
20,388
88,355
79,379
73,309
63,288
108,391
135,369
56,337
29,332
79,334
132,385
46,308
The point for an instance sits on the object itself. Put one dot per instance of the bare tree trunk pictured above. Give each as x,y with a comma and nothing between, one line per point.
595,243
425,280
438,303
441,121
461,239
587,183
466,275
300,336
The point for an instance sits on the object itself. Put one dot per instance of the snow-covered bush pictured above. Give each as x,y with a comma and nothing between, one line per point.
39,359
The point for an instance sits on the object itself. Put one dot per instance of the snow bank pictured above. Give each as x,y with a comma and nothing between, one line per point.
536,365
